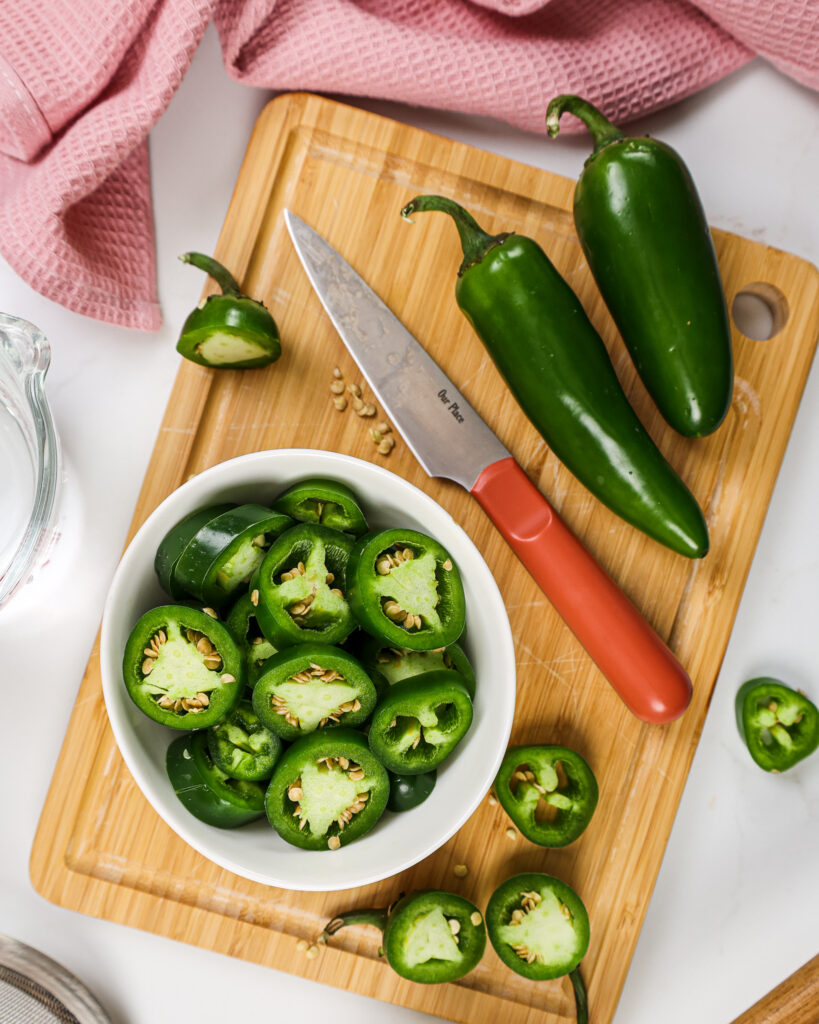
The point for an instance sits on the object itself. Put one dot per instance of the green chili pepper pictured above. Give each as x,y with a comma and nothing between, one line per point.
176,540
182,668
326,790
242,747
428,937
558,368
410,791
230,331
549,792
205,790
420,722
539,927
247,633
643,230
405,590
387,665
312,686
326,502
780,726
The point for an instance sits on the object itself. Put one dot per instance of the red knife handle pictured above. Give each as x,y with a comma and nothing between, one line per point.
625,648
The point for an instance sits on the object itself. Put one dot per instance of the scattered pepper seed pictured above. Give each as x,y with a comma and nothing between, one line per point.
475,918
460,871
340,403
493,800
333,843
312,952
337,387
254,597
354,390
511,833
303,945
337,373
376,436
447,565
385,428
386,446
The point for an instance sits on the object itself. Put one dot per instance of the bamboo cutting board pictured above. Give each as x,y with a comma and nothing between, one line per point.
101,849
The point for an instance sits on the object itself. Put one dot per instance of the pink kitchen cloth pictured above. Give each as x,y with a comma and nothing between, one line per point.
83,81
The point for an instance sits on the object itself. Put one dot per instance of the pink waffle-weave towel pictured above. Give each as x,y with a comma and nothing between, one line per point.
83,81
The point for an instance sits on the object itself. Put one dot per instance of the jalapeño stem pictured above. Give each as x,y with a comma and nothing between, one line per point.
475,242
373,915
580,998
602,130
221,275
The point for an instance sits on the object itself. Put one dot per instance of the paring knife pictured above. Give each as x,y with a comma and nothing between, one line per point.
450,440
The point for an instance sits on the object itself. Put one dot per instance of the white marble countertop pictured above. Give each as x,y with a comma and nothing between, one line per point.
735,907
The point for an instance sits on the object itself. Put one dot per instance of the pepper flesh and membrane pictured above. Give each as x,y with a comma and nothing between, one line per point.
643,230
780,726
205,790
225,552
326,790
388,665
242,747
428,937
182,667
539,927
405,590
309,687
559,370
410,791
420,721
325,502
255,646
176,540
549,792
231,330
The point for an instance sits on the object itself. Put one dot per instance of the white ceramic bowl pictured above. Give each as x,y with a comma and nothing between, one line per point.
398,840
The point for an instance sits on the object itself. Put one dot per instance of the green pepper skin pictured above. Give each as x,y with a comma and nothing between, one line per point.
223,685
231,315
779,726
324,502
409,791
369,591
299,660
398,921
574,802
559,370
508,898
247,633
206,791
643,230
334,743
241,747
387,665
434,706
329,618
176,540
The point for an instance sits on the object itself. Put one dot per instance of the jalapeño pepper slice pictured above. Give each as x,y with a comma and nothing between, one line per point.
780,726
420,722
549,792
310,686
410,791
242,747
388,665
225,552
182,668
326,790
324,502
429,936
300,587
256,647
205,790
405,590
539,927
176,540
231,330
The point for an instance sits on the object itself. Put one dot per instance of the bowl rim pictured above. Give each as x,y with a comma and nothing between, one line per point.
116,705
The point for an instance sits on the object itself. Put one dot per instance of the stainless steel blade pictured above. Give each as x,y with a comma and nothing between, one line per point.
441,428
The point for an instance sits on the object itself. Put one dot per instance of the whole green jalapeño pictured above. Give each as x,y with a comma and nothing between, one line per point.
230,331
549,792
780,726
405,590
182,668
428,937
323,502
299,589
309,687
205,790
420,721
327,790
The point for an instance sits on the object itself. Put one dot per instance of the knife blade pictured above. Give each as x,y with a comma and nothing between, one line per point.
451,440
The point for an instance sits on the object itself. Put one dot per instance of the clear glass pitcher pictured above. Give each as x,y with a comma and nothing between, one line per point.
29,455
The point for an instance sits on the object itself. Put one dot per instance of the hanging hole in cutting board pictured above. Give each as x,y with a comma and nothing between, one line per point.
759,311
